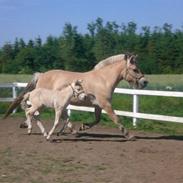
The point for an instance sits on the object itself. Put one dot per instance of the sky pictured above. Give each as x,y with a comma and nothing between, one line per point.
29,19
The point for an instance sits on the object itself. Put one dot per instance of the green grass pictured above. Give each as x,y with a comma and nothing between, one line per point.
10,78
147,104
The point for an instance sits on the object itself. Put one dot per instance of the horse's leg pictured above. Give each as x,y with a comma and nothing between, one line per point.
106,105
30,116
58,113
66,123
41,127
62,130
86,126
24,124
115,119
65,120
29,121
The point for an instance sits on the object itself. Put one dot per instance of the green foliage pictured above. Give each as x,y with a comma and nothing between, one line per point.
160,49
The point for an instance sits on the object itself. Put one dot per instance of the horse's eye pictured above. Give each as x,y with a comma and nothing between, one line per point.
135,70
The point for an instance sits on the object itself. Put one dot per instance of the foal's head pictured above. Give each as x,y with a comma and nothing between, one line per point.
132,73
78,89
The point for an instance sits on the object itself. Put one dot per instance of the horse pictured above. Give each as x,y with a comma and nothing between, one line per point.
57,99
99,82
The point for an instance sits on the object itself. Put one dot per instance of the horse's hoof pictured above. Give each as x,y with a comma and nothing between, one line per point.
130,138
125,132
62,132
74,132
58,134
47,138
23,125
80,129
45,134
84,127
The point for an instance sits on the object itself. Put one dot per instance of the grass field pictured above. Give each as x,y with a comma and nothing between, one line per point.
10,78
154,105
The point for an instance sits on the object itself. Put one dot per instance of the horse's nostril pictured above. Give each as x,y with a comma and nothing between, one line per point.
145,82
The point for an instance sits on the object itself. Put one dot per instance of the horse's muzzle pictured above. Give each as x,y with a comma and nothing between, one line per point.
142,83
82,96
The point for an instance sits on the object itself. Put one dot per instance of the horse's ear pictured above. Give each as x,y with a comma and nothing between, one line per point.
78,81
126,57
132,60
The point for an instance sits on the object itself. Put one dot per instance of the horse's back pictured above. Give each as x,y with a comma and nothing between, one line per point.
56,79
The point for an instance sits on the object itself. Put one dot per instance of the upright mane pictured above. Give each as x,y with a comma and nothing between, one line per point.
109,60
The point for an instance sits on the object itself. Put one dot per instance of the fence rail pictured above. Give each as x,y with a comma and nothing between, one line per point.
135,93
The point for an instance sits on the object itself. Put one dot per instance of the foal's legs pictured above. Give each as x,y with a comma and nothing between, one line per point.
58,113
29,123
29,115
41,127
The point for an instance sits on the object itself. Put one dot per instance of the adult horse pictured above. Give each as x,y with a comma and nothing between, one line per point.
100,82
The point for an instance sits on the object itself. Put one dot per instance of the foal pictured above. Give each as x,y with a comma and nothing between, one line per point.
59,100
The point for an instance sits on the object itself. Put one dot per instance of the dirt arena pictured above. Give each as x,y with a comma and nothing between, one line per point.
100,155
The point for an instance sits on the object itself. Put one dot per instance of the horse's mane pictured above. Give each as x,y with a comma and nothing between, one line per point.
109,60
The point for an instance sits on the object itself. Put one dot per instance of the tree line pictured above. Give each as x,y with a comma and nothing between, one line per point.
159,49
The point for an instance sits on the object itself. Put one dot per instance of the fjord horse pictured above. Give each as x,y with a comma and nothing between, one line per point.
100,82
56,99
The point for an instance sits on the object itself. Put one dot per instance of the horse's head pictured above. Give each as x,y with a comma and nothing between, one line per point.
132,74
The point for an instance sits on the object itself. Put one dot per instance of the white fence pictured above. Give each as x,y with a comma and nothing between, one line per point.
134,114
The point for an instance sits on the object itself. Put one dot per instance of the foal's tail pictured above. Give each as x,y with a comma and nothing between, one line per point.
24,103
30,86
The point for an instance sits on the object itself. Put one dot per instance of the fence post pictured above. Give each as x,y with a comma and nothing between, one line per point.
14,93
135,108
69,112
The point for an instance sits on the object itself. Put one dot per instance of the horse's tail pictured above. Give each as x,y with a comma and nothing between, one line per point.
30,86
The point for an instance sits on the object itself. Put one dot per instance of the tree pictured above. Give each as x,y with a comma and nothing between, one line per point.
51,58
25,61
73,51
160,49
7,55
105,42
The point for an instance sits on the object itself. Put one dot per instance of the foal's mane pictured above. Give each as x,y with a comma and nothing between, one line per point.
109,60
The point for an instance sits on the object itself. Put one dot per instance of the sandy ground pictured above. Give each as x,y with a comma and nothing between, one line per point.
99,155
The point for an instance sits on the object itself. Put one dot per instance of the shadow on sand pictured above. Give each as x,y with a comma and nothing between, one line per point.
161,137
83,136
113,137
88,136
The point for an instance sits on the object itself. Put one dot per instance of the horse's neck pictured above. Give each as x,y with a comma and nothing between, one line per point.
112,74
